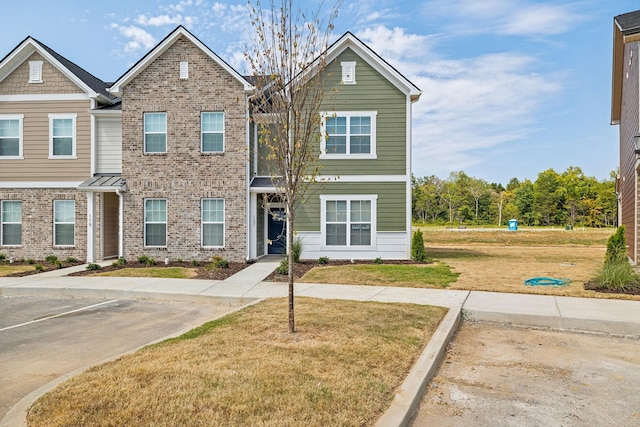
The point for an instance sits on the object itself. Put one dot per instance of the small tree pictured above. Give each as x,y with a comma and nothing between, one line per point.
288,59
617,247
417,247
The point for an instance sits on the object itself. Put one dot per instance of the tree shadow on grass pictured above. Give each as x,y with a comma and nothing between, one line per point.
453,253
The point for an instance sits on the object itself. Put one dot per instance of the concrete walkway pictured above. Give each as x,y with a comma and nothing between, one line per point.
617,317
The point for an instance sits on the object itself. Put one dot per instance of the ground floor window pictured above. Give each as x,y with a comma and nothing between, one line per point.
155,222
64,220
348,220
11,223
212,222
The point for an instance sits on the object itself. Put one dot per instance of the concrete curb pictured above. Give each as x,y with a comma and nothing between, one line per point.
407,399
17,415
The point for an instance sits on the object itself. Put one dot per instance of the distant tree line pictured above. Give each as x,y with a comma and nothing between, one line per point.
569,198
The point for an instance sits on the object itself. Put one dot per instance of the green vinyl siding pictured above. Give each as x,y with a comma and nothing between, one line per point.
391,212
372,92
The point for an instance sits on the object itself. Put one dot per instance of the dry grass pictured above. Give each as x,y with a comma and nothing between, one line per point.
7,269
162,272
340,369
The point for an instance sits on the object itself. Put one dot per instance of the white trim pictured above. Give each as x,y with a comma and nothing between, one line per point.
373,198
255,149
348,114
409,212
63,223
202,223
91,232
106,113
165,133
362,178
166,223
247,168
93,153
40,184
35,71
202,132
20,118
2,223
65,116
46,97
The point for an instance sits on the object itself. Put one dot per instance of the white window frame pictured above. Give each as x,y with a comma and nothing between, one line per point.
202,132
165,222
52,118
144,132
3,223
20,118
348,72
56,223
202,222
35,71
373,198
348,114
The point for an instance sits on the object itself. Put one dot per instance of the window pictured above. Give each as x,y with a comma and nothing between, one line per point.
348,221
213,222
155,222
11,136
212,132
348,134
11,223
348,73
155,132
62,136
64,220
35,71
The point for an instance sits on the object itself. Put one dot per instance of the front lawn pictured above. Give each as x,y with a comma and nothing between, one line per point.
341,368
161,272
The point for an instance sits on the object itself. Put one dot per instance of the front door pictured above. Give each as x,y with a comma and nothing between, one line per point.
277,231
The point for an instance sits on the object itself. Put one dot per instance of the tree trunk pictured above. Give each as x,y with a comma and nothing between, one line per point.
292,323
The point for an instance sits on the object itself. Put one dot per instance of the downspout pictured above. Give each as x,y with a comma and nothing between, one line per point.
247,180
409,214
120,223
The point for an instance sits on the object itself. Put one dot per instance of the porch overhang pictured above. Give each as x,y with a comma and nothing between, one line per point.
261,184
104,183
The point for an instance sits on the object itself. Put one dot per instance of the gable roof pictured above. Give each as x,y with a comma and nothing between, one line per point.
348,40
626,29
161,47
93,86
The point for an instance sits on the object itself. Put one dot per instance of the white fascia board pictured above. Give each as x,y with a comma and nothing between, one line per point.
39,184
362,178
106,113
116,89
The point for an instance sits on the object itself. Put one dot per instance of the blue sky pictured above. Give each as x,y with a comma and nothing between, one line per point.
510,87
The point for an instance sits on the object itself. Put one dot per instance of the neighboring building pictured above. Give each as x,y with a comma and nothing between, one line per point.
159,163
625,112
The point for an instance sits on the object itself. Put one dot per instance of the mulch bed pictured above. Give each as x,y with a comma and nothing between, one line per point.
203,271
592,286
45,267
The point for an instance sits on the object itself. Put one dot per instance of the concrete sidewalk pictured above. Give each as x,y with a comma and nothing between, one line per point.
617,317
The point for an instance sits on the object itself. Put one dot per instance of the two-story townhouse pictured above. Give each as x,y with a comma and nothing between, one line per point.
46,151
625,112
361,206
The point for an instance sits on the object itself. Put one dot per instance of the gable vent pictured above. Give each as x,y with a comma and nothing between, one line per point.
184,70
35,71
348,73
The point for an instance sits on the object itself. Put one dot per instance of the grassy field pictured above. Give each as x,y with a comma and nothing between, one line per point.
340,369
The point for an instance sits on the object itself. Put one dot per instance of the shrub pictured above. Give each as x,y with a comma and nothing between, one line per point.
31,261
220,262
297,249
51,259
3,256
58,265
617,247
195,263
378,261
22,260
93,266
283,268
417,247
143,259
617,276
179,259
39,267
150,261
71,260
121,261
323,260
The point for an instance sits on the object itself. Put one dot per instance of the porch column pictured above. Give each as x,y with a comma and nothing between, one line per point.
91,229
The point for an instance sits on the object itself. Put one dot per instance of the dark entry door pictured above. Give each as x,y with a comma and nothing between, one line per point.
277,231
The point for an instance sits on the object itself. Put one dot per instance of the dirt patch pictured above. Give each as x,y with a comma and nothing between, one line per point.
505,376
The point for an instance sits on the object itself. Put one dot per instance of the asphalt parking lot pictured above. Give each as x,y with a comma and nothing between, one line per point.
42,339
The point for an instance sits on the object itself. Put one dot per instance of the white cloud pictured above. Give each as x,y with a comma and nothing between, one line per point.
161,20
138,38
394,43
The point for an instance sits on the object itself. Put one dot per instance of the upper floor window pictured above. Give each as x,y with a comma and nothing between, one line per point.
10,223
35,71
64,221
155,132
349,134
212,132
11,136
62,136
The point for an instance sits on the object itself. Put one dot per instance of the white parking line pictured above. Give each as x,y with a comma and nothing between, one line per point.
58,315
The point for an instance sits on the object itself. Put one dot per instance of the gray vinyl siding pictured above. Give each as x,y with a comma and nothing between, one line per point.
36,165
372,92
391,204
